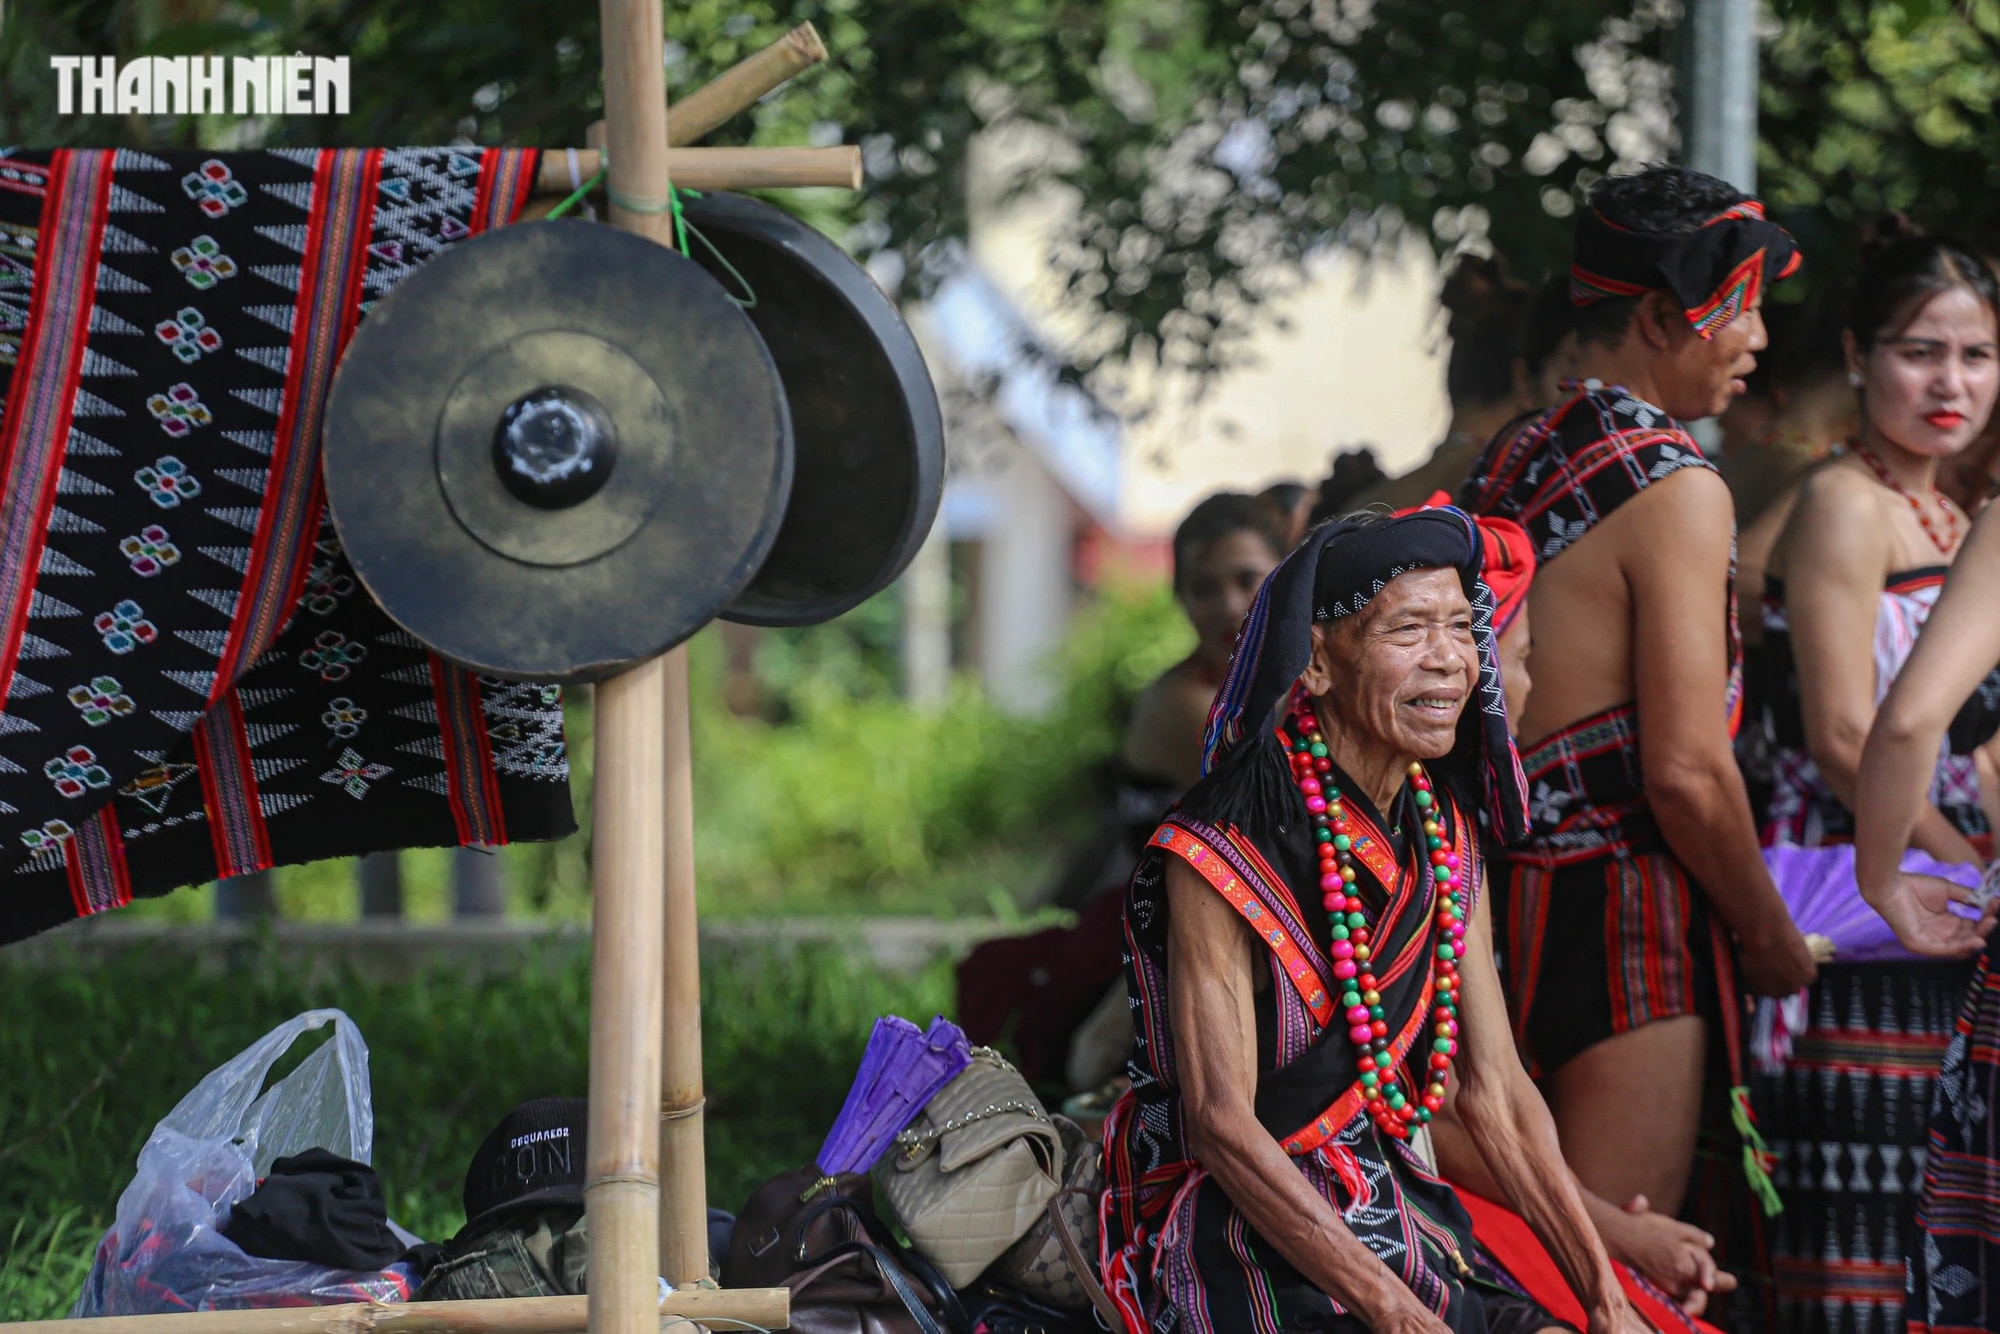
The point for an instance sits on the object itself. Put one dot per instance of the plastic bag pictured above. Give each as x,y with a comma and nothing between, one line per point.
164,1252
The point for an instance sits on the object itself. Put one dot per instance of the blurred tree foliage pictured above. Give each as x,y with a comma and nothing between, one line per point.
1883,105
1207,144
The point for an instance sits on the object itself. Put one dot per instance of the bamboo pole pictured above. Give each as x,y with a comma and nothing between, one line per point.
767,1308
622,1189
683,1153
737,88
627,988
724,168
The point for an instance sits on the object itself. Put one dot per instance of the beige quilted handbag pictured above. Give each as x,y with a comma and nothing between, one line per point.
974,1170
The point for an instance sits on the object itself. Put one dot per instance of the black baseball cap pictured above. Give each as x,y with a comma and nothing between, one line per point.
535,1156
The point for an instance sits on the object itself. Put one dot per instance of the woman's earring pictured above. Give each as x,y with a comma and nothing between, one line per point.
1854,378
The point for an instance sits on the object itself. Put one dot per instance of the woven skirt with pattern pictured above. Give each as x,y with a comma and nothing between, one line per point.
1848,1117
1954,1284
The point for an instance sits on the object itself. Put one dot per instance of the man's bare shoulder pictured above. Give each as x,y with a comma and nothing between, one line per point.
1688,505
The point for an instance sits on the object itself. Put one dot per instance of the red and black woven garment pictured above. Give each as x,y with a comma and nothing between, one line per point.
192,684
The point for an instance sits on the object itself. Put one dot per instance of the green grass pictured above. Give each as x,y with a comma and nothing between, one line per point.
96,1054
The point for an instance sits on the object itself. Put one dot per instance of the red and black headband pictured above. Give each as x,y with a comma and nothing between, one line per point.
1715,272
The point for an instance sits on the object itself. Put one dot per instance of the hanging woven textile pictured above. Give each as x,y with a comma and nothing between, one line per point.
192,683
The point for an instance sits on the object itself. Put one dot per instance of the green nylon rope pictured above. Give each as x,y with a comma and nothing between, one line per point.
682,227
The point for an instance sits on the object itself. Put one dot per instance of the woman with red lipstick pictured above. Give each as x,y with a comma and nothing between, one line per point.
1850,584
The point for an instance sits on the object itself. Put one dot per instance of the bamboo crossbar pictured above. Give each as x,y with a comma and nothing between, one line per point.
724,168
737,88
762,1308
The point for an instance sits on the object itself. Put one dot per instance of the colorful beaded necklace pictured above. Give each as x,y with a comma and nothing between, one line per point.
1881,470
1360,1002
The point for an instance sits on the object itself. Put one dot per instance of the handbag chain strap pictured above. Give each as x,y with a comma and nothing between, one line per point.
917,1139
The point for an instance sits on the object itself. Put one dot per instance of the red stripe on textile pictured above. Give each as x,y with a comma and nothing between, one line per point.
1594,287
1513,459
229,791
35,433
1606,452
1208,863
94,859
328,307
471,783
1508,1239
1275,884
506,181
1656,926
1617,997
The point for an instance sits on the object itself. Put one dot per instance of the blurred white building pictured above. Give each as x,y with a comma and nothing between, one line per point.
1046,485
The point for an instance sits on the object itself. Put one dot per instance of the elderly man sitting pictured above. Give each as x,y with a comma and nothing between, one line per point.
1310,962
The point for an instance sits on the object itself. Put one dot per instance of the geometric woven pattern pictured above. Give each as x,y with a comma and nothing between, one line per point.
191,682
1954,1279
1848,1118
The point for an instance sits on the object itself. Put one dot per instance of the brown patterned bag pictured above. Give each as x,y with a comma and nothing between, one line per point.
1056,1260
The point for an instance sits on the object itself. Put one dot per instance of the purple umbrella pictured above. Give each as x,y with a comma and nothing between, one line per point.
900,1071
1817,885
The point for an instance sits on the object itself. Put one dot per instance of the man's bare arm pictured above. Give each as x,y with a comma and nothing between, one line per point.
1675,558
1211,979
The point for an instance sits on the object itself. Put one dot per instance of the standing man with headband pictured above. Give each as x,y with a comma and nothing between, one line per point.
1641,865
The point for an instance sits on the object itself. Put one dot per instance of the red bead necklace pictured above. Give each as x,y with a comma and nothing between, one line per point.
1361,1003
1946,544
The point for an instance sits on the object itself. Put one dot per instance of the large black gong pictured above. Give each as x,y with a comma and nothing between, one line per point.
870,438
556,450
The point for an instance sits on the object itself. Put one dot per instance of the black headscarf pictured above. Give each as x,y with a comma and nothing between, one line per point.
1339,567
1715,272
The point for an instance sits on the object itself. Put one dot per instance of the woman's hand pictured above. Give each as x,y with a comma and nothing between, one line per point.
1675,1256
1918,909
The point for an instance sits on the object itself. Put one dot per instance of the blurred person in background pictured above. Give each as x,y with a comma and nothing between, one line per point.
1485,377
1641,861
1796,409
1355,471
1811,415
1851,582
1548,342
1221,553
1292,502
1801,410
1955,1248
